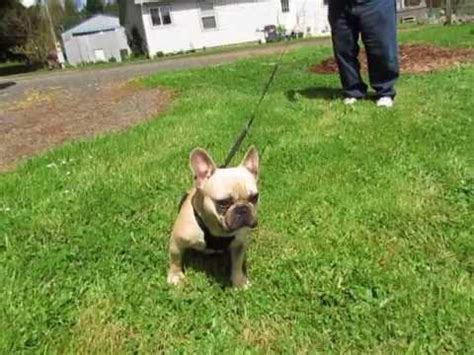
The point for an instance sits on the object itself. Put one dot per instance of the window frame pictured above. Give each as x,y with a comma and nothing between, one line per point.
208,12
208,28
159,10
285,9
405,5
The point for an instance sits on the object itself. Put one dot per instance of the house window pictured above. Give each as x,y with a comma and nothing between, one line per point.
409,3
161,16
285,5
208,22
208,16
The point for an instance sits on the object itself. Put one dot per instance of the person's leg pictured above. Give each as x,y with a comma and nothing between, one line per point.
378,25
345,34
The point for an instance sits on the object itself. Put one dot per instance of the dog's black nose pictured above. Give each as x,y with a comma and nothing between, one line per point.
240,215
241,210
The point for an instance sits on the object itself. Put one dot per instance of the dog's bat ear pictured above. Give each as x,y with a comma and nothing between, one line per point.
202,166
251,161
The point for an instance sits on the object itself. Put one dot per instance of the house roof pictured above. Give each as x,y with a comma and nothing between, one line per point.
94,24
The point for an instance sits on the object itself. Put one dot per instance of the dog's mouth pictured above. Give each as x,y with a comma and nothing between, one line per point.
253,225
240,216
234,229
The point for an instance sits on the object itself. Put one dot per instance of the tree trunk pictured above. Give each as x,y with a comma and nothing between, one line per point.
449,12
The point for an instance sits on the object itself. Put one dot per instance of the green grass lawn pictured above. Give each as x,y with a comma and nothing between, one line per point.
365,241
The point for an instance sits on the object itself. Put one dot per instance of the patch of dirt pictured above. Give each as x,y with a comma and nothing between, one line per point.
414,59
47,118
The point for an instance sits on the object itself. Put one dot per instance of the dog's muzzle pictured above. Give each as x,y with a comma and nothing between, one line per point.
241,215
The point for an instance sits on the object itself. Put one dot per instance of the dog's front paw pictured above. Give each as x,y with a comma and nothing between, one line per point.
175,278
240,281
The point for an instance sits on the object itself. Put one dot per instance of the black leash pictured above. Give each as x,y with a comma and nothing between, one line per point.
245,130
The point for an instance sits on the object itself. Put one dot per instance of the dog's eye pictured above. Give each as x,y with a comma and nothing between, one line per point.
224,204
253,199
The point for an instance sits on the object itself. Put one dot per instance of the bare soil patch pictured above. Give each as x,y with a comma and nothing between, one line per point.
41,119
414,59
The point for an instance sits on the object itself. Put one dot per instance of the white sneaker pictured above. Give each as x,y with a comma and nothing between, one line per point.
385,101
349,101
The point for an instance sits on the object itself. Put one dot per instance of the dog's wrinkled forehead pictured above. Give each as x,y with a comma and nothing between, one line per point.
237,183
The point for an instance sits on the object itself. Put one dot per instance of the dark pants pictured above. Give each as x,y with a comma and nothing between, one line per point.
376,21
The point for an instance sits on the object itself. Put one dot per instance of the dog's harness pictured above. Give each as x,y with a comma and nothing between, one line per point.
212,242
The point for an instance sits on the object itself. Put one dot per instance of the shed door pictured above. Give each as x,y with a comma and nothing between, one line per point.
99,55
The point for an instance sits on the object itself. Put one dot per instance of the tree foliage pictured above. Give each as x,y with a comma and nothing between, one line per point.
94,7
112,8
39,40
71,16
12,30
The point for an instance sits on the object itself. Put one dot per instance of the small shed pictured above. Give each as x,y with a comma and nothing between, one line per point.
99,38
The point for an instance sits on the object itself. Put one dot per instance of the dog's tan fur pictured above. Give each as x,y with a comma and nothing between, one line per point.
212,184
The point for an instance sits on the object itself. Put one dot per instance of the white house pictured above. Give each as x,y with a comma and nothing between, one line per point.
169,26
28,3
411,10
99,38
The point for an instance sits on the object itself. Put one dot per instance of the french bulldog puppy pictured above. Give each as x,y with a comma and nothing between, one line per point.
218,213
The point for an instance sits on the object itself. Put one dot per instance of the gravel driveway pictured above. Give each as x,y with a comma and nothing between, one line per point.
43,110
